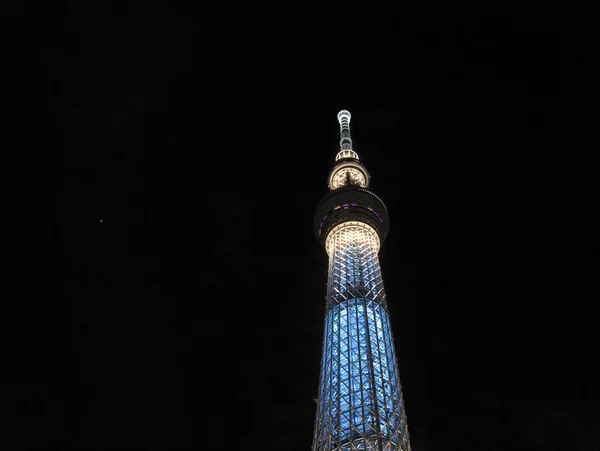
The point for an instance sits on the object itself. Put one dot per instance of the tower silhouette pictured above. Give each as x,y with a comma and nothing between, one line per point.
360,404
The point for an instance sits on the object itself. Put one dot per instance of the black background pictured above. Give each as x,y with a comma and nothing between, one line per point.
165,291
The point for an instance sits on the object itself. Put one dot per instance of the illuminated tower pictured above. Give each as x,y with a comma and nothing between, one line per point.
360,404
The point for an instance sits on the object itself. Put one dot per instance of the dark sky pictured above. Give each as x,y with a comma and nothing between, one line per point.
165,291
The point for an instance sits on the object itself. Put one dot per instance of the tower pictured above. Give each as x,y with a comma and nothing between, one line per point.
360,404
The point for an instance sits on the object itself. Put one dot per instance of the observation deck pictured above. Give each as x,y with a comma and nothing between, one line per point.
350,203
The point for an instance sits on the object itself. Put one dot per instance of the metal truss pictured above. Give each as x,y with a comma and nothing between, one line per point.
360,403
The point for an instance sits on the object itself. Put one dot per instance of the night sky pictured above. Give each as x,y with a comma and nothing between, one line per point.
165,290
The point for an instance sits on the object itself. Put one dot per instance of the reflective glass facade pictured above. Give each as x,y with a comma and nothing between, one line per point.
360,404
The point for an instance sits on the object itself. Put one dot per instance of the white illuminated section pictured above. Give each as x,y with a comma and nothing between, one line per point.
344,120
348,153
350,173
352,232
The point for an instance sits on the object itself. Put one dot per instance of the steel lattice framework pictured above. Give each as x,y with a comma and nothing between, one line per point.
360,402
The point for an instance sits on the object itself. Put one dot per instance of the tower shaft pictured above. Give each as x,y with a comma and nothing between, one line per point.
360,404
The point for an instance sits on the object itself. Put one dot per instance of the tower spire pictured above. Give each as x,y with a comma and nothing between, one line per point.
344,120
348,169
346,150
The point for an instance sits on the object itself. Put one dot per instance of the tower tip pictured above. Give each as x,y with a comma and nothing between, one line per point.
343,114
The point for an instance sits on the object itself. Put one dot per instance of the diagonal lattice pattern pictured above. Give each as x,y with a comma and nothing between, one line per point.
360,404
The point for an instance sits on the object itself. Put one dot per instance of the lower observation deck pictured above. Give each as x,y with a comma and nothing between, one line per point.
350,203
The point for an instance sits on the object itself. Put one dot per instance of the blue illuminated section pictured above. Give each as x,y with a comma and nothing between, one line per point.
360,403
